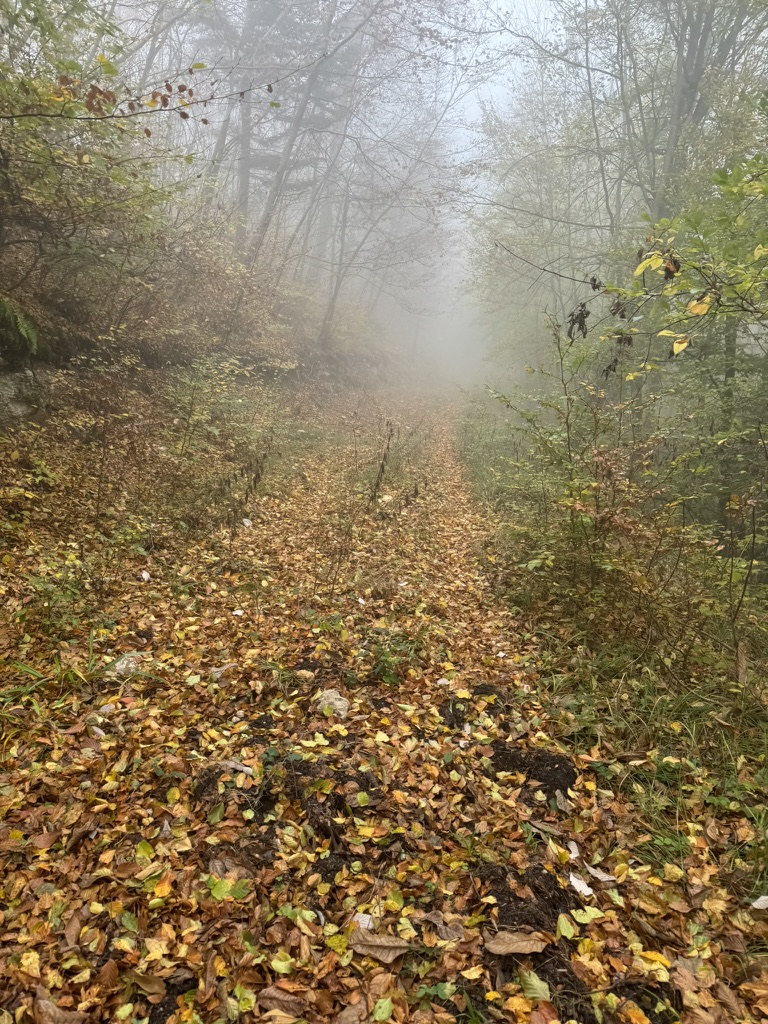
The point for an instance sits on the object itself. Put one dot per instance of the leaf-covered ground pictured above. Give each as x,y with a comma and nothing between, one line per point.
193,825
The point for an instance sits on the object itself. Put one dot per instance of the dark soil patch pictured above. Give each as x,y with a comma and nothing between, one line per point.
264,723
502,703
205,788
569,993
381,704
648,999
261,800
534,899
455,713
553,772
328,867
163,1010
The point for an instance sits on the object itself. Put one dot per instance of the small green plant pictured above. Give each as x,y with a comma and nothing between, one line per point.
18,335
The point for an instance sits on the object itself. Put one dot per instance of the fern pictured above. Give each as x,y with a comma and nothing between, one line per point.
17,330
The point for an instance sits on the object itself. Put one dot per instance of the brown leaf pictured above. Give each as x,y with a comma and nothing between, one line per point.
46,1012
684,980
108,976
453,932
45,840
697,1015
148,983
728,998
385,948
504,943
354,1014
276,998
545,1013
72,930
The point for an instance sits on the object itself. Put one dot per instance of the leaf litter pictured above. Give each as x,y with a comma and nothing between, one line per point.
317,792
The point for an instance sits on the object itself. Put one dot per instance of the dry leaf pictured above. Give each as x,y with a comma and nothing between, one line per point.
46,1012
149,985
385,948
45,840
108,976
727,997
72,930
354,1014
580,885
504,943
276,998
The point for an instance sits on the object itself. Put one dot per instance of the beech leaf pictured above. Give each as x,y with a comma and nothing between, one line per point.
385,948
504,943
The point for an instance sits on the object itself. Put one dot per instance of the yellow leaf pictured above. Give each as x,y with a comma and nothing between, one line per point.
30,963
162,886
634,1014
156,949
653,262
700,306
679,345
473,973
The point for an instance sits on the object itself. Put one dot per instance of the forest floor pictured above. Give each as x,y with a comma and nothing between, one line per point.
190,828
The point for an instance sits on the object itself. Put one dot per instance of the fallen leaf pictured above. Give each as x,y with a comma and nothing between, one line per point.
149,985
580,885
385,948
46,1012
108,976
534,987
354,1014
276,998
504,943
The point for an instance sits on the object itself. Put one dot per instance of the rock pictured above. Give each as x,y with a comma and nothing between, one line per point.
128,665
333,699
21,394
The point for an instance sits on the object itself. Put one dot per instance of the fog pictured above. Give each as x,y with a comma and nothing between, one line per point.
421,179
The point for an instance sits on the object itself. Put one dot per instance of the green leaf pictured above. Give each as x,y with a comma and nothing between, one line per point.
106,65
383,1009
587,914
220,888
216,815
282,963
129,921
533,987
565,928
240,889
144,851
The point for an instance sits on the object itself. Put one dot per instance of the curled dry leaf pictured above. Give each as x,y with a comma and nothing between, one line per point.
453,932
354,1014
276,998
601,876
580,885
385,948
46,1012
504,943
148,984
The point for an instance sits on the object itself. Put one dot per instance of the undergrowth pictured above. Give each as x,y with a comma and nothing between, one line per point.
644,591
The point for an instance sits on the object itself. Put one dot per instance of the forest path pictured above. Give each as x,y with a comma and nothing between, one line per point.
191,830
